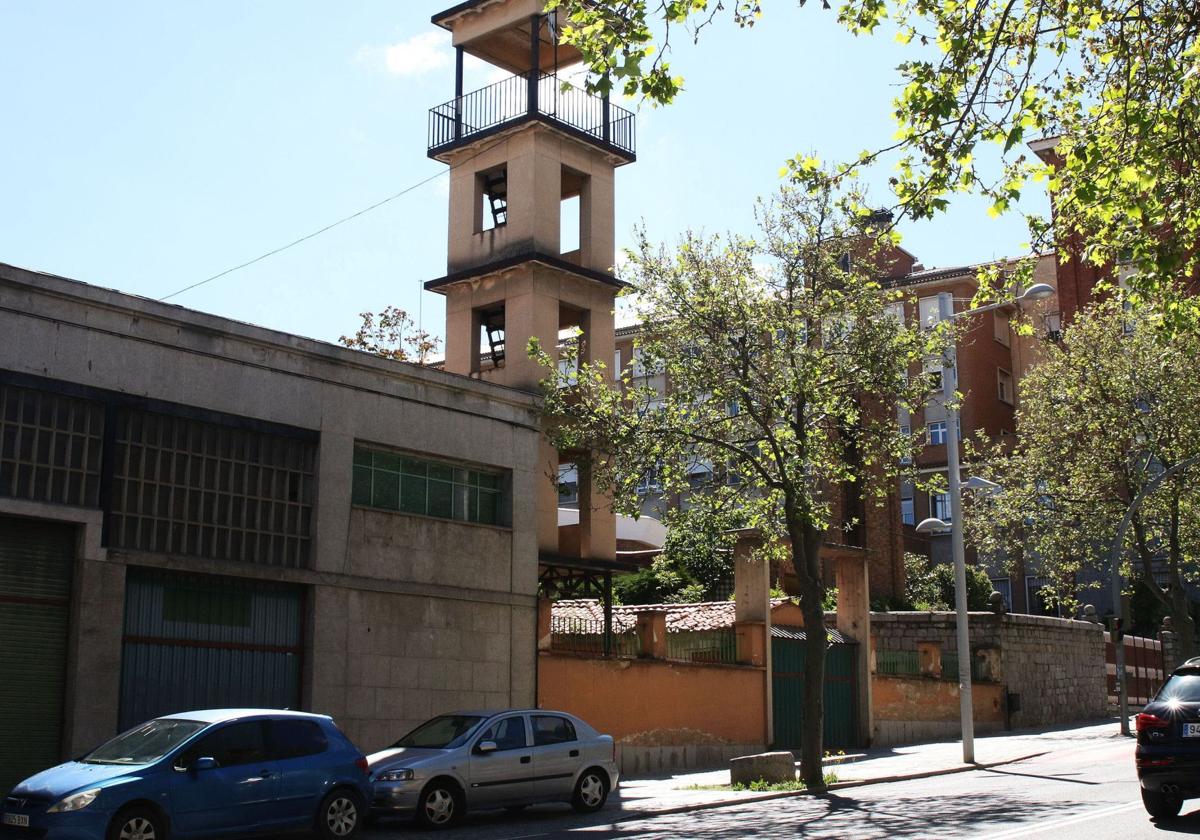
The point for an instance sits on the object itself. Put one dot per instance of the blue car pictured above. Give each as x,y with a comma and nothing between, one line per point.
199,774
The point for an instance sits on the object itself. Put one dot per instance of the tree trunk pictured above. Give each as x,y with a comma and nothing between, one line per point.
806,546
1182,624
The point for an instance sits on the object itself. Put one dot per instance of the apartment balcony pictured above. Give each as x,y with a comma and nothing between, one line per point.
532,97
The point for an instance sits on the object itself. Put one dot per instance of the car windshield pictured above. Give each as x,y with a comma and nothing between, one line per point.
1183,688
146,743
442,733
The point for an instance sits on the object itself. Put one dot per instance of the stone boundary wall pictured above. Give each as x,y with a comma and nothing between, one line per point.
910,710
1054,666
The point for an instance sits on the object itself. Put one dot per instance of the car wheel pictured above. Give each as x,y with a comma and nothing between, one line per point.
1161,806
137,824
441,805
590,791
340,815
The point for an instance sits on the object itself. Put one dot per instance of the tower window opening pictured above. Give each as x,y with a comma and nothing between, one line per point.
493,336
493,189
569,224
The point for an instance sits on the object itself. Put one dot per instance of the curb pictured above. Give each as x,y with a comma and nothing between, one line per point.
788,794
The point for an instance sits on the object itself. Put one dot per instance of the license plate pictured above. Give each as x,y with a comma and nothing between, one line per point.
21,820
1191,730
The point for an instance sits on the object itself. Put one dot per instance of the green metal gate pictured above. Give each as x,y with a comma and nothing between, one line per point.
840,729
36,562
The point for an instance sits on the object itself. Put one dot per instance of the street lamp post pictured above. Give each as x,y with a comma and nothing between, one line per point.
1037,291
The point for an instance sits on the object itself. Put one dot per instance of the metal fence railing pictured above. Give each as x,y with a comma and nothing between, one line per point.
897,663
907,663
581,635
508,101
703,646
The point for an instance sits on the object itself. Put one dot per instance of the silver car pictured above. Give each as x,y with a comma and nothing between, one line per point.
492,759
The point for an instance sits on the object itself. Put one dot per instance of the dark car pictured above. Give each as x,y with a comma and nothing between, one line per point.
1168,743
200,774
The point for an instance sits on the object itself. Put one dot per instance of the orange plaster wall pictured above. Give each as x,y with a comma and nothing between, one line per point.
651,702
922,698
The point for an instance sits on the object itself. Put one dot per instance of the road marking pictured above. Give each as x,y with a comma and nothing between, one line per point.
1026,831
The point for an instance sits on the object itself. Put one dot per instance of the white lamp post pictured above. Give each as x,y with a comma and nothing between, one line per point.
1038,291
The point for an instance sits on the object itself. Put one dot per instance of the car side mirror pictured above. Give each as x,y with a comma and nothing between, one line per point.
204,763
485,747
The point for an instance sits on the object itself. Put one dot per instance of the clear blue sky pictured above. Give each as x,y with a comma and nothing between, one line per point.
148,145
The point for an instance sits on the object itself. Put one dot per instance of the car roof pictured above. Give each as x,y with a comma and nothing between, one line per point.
222,715
493,712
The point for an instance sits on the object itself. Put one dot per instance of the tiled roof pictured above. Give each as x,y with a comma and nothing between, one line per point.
574,616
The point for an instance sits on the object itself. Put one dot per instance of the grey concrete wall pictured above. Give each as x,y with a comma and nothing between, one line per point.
1056,665
409,615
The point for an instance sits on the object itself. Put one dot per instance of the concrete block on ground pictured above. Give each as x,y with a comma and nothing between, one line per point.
769,767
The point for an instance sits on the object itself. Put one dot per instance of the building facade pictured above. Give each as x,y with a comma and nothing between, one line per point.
196,512
991,356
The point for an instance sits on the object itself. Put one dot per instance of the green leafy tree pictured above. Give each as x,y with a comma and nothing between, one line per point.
391,334
930,586
1117,80
785,371
1107,410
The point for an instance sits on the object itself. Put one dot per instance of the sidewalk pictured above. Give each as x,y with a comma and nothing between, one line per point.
669,794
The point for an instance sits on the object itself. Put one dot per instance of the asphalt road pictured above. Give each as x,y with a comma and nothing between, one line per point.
1081,792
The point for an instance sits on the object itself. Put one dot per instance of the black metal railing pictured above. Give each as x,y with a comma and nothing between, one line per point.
508,101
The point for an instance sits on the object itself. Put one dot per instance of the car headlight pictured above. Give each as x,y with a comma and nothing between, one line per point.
74,802
401,775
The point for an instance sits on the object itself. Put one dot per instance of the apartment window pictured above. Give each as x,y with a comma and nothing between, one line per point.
935,308
1004,386
936,433
617,364
896,311
1052,322
940,506
650,482
392,481
1000,326
908,513
906,431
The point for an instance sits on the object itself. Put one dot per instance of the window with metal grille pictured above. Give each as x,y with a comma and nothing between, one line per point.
50,447
392,481
183,486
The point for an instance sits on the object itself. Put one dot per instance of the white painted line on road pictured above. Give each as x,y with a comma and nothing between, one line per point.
1026,831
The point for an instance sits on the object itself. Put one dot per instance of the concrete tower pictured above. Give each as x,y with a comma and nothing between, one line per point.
531,246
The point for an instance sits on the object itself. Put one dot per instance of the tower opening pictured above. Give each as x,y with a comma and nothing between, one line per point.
491,189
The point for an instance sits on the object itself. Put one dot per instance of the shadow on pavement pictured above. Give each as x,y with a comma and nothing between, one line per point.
830,815
1186,823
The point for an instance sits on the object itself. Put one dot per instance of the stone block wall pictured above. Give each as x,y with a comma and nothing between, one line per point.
1055,665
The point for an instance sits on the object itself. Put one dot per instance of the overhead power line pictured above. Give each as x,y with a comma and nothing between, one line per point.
327,227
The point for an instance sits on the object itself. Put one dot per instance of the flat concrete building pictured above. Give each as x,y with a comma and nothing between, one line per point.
196,512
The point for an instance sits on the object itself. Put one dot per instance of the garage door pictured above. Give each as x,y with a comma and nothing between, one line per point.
207,642
36,560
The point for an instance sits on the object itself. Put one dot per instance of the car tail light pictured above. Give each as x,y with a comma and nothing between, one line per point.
1165,761
1147,721
614,743
361,763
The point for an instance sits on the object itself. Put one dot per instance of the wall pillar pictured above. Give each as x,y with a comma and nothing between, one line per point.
751,643
652,633
854,621
752,605
545,610
929,655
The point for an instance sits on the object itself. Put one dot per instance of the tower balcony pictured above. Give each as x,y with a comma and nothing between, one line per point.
532,97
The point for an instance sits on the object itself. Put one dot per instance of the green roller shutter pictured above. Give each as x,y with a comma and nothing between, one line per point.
36,559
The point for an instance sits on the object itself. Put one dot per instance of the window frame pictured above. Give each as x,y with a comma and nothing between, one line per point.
570,726
488,726
944,433
435,475
1003,385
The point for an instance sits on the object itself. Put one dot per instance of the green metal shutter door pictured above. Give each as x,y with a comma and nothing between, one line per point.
204,642
36,561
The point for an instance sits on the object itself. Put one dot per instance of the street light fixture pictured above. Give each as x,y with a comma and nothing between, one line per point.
1038,291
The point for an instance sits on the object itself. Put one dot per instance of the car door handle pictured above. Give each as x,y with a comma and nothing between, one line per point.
574,753
525,759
